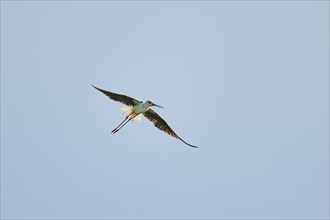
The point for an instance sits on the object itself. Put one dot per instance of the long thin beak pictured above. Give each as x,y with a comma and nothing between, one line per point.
157,105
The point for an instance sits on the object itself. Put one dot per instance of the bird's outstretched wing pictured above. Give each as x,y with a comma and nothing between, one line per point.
119,98
162,125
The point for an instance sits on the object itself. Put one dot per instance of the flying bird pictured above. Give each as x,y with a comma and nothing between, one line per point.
134,110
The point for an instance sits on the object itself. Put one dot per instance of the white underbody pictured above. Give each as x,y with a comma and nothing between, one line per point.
135,111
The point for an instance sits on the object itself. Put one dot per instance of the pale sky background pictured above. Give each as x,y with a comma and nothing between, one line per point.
246,81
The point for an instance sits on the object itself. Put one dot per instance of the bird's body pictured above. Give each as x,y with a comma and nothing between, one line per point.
134,112
135,109
141,107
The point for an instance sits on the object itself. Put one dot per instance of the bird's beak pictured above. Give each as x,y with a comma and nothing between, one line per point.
157,105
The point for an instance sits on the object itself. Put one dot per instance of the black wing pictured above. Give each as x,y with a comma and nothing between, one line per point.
119,98
162,125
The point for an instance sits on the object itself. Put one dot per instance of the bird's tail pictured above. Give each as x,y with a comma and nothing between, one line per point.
127,111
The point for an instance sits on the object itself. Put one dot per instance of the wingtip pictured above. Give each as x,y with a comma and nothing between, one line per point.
193,146
95,87
187,143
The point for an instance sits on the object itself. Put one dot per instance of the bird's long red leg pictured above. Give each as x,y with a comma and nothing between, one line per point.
115,130
120,127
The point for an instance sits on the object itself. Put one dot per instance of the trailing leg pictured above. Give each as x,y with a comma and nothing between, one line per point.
114,130
121,126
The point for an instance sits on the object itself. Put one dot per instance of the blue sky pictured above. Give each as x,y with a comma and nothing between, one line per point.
246,81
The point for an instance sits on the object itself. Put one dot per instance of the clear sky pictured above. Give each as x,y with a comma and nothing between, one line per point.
246,81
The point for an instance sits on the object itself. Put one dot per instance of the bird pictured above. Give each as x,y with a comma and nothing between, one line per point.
134,110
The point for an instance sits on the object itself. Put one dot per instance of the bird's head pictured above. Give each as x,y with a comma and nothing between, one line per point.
150,104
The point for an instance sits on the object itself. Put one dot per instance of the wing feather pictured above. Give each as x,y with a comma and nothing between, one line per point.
162,125
119,97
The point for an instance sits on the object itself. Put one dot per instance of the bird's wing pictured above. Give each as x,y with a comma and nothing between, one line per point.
162,125
119,98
